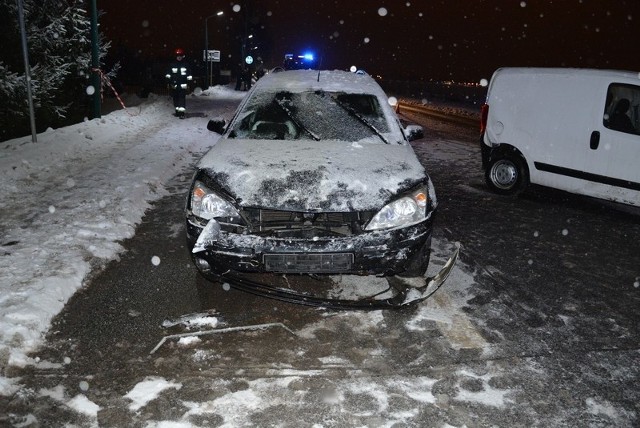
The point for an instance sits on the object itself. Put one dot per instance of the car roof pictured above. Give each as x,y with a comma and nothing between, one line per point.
327,80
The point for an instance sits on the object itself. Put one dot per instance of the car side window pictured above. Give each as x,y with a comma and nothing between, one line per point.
622,109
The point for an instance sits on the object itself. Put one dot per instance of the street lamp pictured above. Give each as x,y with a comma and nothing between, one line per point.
206,44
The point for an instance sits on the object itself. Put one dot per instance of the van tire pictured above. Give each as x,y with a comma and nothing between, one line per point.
507,174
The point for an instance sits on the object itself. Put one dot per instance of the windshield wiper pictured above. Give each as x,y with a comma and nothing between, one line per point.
361,118
283,106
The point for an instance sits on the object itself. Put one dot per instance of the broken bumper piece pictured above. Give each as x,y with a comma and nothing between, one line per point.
405,291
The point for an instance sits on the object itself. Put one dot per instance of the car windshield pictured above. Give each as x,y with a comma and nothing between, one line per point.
316,115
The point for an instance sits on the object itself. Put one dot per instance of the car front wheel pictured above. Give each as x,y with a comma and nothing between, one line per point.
507,174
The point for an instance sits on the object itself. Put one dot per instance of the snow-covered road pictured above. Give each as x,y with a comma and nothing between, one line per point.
67,200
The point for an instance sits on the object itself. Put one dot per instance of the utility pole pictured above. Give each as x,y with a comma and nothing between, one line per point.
27,71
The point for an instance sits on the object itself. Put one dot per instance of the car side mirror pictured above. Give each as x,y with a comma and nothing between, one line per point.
217,125
414,132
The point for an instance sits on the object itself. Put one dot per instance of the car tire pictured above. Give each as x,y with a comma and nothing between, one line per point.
507,174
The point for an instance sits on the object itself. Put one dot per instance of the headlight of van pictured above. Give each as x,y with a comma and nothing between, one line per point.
405,211
207,204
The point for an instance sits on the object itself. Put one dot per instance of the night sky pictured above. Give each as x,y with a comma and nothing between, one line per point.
462,40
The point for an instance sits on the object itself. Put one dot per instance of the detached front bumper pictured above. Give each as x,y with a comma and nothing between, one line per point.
406,291
240,259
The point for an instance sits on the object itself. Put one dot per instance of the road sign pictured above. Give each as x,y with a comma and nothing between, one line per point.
249,59
211,55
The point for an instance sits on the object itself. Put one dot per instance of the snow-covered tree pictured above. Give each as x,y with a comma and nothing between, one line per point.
59,44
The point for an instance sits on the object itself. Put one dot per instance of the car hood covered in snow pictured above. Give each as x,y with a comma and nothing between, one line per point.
309,175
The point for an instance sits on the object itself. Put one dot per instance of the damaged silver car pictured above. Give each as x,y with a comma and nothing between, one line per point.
313,181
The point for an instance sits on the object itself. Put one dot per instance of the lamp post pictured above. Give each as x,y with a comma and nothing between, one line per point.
244,46
206,44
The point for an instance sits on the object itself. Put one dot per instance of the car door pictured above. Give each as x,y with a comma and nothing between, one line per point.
614,157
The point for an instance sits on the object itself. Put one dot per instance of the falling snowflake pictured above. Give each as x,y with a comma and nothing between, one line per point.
155,260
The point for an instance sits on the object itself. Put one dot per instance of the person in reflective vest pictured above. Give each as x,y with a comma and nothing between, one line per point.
179,77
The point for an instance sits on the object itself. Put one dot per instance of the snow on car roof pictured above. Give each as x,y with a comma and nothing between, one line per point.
328,80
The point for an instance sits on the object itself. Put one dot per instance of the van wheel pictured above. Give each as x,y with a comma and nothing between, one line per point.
507,174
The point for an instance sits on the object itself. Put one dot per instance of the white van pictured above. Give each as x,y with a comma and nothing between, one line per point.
576,130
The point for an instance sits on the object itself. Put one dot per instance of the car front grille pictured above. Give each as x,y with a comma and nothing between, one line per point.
300,224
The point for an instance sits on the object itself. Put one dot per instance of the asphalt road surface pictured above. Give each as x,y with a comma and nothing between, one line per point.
538,326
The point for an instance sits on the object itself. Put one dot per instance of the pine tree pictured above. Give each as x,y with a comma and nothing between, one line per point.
59,45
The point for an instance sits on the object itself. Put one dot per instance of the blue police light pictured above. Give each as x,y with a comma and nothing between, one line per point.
299,62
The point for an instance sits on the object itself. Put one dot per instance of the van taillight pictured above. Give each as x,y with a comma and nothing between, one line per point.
484,114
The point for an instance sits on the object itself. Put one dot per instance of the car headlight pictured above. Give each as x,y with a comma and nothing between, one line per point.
402,212
207,204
